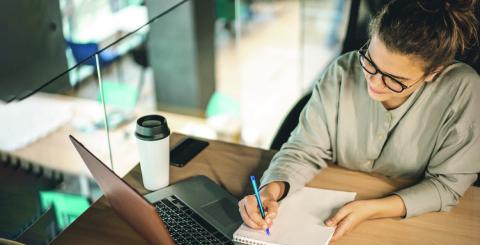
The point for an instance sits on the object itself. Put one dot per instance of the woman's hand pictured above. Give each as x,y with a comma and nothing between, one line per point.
354,213
249,211
349,216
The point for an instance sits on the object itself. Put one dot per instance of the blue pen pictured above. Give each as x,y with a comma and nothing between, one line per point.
259,201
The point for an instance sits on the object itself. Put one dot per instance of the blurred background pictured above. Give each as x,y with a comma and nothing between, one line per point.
231,70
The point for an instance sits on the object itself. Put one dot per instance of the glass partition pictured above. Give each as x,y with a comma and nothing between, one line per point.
42,176
181,66
125,87
284,46
223,69
126,65
41,172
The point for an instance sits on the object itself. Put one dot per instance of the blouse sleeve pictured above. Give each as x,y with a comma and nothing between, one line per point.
310,144
455,162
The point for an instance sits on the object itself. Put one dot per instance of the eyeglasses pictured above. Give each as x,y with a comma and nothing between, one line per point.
370,67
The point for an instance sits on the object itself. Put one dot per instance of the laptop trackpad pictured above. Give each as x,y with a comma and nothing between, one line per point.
223,211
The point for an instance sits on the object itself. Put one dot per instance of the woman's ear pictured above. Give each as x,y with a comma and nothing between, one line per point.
432,75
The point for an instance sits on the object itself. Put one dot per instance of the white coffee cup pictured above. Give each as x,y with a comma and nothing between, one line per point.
153,141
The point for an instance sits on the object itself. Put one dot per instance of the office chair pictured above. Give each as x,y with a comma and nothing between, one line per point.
353,40
82,51
289,123
140,57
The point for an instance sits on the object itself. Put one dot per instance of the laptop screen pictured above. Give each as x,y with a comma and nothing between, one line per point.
126,201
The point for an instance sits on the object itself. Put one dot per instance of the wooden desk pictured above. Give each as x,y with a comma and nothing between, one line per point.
229,165
45,152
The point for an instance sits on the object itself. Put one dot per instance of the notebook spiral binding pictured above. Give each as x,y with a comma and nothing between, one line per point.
249,241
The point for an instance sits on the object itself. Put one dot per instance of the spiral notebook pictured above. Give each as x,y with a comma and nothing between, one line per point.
300,219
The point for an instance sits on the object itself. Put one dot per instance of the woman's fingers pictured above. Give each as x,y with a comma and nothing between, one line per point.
350,216
342,213
250,213
253,211
271,208
245,217
344,226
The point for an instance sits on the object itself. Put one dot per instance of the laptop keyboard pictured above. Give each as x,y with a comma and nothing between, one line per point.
185,226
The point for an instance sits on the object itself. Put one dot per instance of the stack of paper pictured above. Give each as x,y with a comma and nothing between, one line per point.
26,121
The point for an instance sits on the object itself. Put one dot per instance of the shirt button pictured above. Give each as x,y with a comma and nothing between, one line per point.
369,162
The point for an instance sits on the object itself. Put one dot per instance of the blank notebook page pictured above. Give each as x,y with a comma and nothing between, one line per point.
300,219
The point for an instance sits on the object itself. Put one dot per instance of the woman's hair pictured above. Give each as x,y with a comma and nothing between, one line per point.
433,30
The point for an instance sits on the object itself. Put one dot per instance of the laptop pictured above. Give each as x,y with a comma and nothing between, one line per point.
192,211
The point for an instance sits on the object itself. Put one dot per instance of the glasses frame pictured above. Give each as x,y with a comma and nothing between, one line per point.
363,55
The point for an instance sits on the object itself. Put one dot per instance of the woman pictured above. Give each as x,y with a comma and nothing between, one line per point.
401,106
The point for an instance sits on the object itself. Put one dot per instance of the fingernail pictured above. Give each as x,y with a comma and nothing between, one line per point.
329,222
268,221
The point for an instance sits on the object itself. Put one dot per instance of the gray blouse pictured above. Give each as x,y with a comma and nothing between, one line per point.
433,136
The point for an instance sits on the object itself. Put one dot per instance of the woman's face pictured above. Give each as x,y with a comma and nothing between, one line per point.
406,69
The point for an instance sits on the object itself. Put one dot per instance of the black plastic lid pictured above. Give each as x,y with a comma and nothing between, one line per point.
152,127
